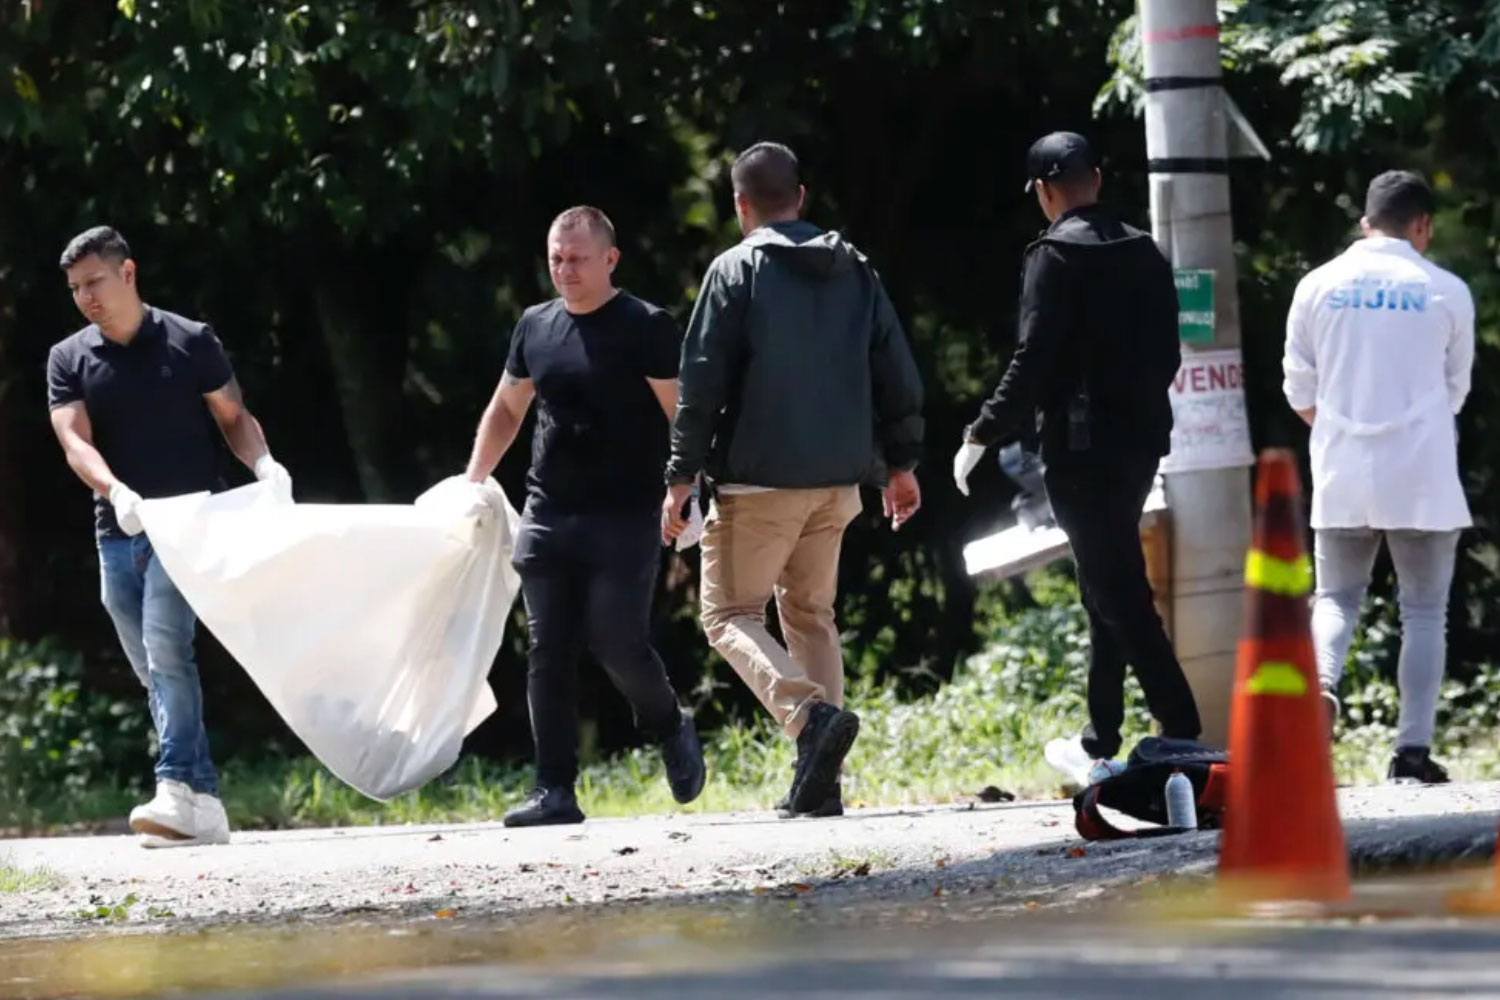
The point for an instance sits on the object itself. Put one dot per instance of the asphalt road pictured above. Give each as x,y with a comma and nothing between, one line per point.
1022,852
953,901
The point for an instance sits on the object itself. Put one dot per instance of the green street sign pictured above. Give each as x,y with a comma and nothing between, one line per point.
1195,306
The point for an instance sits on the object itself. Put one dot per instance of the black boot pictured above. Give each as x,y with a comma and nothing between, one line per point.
821,748
832,806
546,807
1415,764
682,753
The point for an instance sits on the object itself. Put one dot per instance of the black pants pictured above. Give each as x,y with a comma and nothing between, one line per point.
588,581
1098,502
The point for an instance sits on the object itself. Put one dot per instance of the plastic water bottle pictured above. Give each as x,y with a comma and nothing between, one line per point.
1182,813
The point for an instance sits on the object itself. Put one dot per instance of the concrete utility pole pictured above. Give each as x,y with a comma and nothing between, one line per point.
1188,140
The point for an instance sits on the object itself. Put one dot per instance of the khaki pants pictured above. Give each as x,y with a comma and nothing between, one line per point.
782,543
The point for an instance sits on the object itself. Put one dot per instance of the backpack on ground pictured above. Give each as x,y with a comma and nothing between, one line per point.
1139,791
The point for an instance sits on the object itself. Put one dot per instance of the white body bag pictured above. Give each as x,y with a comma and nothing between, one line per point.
371,629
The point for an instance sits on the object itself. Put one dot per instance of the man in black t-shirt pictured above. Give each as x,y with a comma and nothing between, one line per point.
135,397
602,365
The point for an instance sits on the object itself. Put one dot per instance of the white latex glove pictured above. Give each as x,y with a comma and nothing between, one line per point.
964,461
693,533
268,470
126,502
479,499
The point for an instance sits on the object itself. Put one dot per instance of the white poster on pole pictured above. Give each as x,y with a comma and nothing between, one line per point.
1209,426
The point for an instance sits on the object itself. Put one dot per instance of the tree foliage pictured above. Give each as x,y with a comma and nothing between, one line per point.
355,195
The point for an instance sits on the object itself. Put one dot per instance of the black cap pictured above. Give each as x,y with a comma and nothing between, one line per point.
1057,155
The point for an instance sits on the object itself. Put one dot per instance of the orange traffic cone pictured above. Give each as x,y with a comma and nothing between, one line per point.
1282,836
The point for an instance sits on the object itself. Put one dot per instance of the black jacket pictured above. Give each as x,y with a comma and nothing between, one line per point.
1098,315
795,370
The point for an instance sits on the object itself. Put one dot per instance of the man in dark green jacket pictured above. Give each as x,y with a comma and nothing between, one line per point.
796,386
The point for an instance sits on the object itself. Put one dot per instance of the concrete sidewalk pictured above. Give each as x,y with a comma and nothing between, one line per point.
1018,855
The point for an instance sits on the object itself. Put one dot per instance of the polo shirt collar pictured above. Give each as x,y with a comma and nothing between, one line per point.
151,329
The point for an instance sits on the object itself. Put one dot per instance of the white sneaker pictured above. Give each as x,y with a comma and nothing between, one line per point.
213,822
180,817
171,816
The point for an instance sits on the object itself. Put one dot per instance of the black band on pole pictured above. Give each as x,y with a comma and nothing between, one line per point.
1159,83
1189,165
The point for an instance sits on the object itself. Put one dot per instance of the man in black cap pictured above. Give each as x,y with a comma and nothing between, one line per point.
1096,352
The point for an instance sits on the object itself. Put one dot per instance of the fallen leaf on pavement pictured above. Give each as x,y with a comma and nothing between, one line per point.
1077,852
436,838
622,851
679,835
801,887
445,914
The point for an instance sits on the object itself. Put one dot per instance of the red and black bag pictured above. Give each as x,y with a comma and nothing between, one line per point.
1139,791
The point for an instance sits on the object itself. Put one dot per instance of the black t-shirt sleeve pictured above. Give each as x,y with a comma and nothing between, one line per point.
515,360
63,384
661,347
211,368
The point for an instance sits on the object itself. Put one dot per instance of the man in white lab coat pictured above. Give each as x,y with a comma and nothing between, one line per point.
1380,343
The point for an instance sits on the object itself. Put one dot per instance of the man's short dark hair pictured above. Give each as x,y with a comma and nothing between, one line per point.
766,174
1396,199
101,240
590,218
1076,180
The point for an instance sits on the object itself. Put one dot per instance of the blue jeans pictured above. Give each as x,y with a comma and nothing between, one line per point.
156,628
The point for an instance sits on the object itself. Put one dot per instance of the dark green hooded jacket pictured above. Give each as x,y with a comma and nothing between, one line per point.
795,371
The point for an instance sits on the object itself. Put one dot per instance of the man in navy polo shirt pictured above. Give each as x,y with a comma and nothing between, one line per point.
135,397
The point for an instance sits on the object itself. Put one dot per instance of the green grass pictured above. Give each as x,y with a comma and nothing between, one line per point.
945,747
14,878
987,726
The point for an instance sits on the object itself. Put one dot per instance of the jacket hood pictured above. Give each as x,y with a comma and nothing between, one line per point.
1091,226
805,247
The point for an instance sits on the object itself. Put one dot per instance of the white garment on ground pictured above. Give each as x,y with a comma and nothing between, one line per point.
371,629
1381,341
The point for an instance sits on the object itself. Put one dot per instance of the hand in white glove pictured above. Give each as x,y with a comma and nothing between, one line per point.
693,533
964,461
268,470
479,499
126,502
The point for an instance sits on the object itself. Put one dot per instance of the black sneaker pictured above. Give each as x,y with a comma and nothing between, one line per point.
683,754
821,748
1415,764
832,806
546,807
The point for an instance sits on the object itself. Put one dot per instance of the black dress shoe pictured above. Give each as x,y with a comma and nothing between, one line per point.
683,755
546,807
